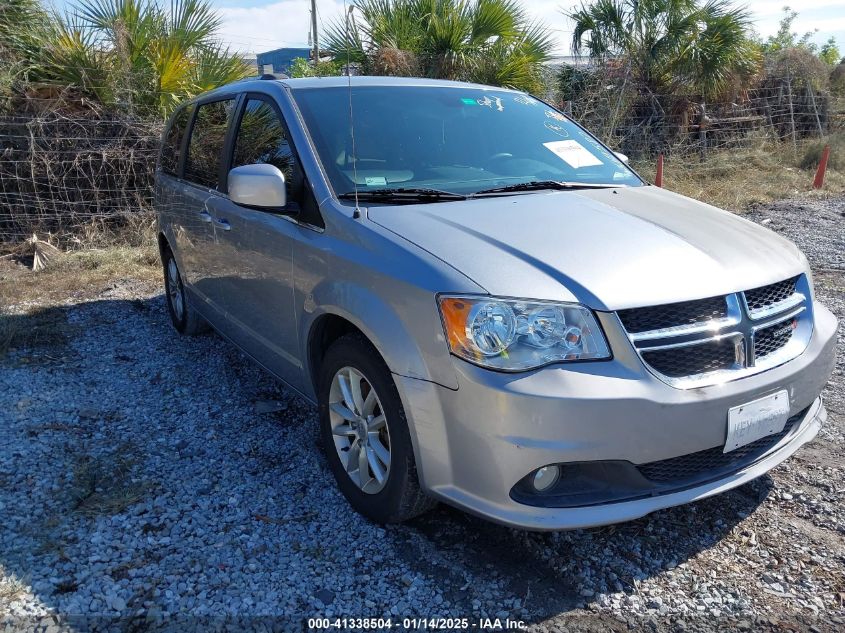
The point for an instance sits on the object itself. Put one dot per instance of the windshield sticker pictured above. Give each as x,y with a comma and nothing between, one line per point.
573,153
525,100
557,128
557,116
490,103
373,181
469,101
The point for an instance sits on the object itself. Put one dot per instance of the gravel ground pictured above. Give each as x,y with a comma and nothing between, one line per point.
150,475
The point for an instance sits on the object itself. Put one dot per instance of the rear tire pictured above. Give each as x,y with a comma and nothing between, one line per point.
185,318
365,433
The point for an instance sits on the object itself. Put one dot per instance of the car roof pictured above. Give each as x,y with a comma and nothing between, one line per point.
342,81
334,82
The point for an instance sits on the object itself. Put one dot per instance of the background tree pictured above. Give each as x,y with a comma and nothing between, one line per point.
301,68
670,45
829,52
22,27
797,57
132,54
490,41
786,39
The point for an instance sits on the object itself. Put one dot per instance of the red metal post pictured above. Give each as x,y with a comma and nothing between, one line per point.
658,180
818,182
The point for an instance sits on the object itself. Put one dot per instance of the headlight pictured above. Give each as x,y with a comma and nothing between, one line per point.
515,335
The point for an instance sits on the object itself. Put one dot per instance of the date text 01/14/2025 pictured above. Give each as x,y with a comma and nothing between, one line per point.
416,623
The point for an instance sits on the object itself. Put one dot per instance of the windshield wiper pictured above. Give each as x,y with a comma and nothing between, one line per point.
403,194
540,185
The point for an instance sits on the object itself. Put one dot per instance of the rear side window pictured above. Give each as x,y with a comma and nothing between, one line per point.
205,148
172,146
261,139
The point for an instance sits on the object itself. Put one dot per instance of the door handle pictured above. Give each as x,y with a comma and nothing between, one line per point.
223,224
205,216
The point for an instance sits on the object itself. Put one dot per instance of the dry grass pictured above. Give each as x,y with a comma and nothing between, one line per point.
813,153
99,254
11,588
137,229
101,257
738,179
77,276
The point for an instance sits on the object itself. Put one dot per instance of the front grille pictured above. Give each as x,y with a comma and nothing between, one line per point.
766,296
673,314
771,339
678,362
712,463
744,333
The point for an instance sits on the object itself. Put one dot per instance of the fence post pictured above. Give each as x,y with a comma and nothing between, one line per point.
818,182
658,179
791,112
815,109
702,131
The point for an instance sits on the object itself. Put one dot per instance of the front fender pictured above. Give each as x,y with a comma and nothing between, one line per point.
409,336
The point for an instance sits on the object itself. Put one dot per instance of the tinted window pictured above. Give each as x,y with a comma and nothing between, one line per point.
172,147
206,144
460,139
261,139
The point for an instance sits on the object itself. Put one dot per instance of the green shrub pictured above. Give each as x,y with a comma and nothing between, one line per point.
813,155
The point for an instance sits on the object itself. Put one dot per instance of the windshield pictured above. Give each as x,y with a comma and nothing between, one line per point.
451,139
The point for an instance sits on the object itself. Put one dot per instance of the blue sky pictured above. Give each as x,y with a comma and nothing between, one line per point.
253,26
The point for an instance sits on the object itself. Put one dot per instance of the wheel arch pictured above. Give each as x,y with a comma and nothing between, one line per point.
325,330
359,309
329,327
163,244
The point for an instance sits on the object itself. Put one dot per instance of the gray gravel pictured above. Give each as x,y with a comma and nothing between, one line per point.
151,475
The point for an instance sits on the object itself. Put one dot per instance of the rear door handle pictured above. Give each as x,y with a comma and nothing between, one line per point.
223,224
205,216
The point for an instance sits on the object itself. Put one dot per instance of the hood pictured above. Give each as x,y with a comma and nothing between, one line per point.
606,248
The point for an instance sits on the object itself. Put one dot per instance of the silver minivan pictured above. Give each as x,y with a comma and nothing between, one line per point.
488,306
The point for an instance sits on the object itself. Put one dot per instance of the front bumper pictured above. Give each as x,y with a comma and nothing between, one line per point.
475,443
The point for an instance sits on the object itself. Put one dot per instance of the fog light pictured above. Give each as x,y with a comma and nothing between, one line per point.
546,477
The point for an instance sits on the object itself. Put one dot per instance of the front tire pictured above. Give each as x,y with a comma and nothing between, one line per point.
185,318
365,433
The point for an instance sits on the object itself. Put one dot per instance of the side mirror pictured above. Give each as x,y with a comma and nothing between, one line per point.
621,157
258,186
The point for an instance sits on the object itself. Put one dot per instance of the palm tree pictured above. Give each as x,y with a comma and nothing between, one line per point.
159,57
22,26
490,41
670,44
132,54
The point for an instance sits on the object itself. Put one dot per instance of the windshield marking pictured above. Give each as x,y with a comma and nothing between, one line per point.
557,129
573,153
487,101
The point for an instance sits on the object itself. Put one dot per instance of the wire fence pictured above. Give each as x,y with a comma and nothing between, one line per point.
59,172
63,170
786,109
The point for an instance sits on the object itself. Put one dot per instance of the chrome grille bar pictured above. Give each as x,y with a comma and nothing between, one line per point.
739,327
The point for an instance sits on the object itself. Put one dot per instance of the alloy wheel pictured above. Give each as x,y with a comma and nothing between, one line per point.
359,429
174,289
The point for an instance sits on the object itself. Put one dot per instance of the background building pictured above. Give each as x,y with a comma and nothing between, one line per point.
279,60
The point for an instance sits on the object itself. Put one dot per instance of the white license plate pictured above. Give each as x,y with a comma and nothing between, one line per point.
751,421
